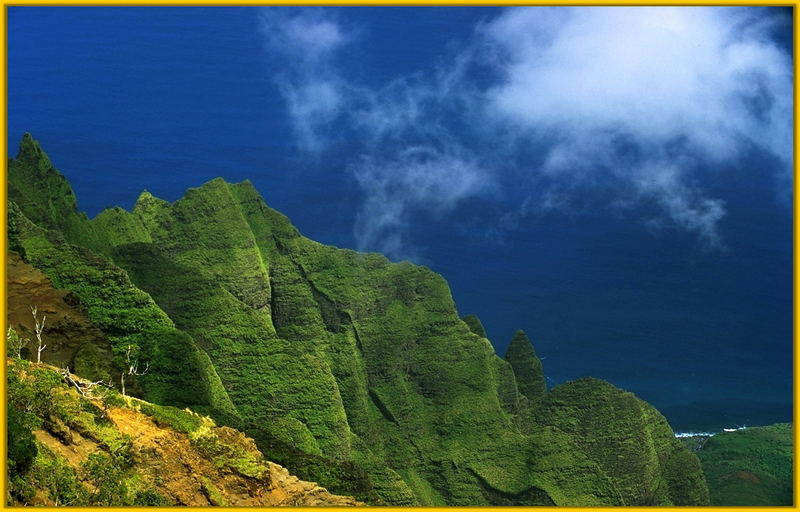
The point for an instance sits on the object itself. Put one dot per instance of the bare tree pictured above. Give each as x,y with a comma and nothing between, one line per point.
132,366
39,329
83,386
68,377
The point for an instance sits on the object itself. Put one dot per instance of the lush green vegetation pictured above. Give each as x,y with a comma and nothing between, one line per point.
44,194
749,467
347,369
527,367
628,439
179,372
475,325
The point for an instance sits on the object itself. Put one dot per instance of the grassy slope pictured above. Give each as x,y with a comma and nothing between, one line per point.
350,370
71,338
750,467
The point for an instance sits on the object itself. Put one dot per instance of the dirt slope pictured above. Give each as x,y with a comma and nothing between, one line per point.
209,466
67,327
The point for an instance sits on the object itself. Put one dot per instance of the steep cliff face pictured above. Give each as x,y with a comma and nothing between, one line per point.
95,447
348,369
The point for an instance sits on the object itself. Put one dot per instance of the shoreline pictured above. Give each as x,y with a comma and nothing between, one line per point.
695,434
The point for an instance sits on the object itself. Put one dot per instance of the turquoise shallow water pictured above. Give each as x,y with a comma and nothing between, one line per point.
130,98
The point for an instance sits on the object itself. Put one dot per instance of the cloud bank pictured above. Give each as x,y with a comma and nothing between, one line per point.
556,101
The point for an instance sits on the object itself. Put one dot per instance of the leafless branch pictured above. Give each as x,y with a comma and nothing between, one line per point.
133,368
38,329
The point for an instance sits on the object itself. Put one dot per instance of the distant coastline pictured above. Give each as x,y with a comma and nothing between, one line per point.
712,416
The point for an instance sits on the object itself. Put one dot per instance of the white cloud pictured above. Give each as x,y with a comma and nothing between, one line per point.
630,99
309,37
686,206
417,178
658,73
313,106
676,84
308,41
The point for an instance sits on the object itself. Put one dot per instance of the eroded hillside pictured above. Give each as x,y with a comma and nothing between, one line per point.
78,444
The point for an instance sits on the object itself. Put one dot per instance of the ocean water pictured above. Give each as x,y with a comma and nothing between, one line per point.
126,99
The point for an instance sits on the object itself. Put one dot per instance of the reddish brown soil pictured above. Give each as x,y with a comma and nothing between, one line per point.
167,460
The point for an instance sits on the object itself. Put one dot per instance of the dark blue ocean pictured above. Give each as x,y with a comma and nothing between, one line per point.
126,99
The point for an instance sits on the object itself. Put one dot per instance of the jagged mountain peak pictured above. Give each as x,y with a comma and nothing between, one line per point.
30,150
527,366
39,188
475,325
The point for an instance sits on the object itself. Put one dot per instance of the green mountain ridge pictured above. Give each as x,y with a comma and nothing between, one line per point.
347,369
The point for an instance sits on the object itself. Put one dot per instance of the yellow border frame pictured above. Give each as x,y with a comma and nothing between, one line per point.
101,3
